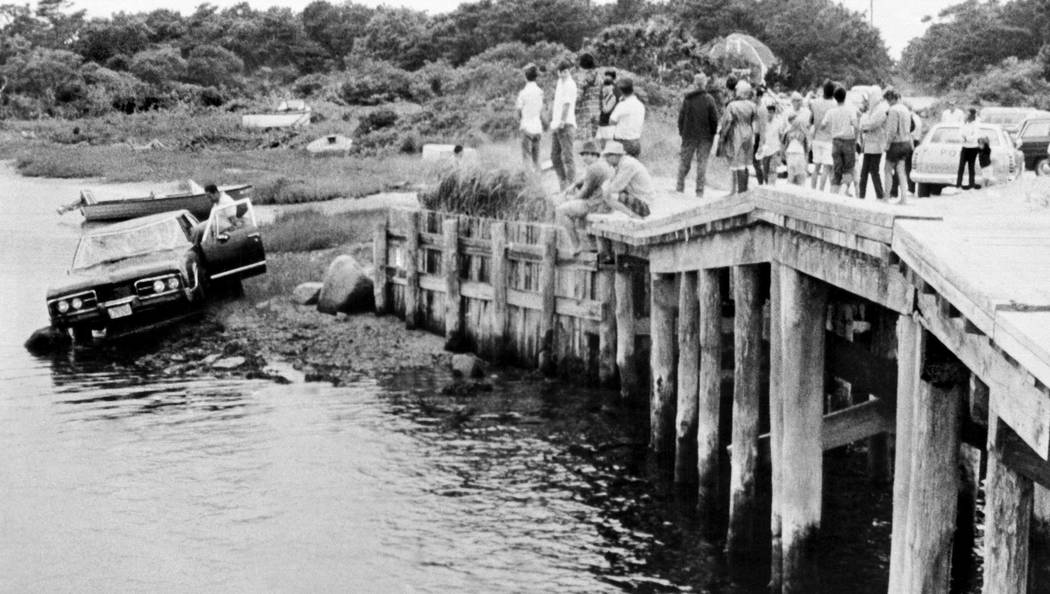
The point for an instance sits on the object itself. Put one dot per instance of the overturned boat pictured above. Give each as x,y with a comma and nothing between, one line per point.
289,114
194,200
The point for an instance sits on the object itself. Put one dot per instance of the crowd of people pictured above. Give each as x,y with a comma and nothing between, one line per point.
817,139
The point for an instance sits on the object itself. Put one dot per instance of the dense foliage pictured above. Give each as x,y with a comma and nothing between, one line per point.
56,61
969,44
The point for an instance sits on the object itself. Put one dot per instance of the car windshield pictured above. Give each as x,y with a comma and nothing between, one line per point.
1005,118
953,135
104,247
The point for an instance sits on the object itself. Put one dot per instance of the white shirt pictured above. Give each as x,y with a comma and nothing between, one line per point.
628,117
564,92
969,134
530,104
953,116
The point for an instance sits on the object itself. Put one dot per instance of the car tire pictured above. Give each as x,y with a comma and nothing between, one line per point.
81,335
1043,167
935,189
922,190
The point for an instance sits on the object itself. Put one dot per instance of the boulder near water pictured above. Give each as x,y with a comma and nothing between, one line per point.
307,293
347,286
467,365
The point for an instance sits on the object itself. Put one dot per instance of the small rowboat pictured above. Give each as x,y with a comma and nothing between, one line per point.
289,114
195,201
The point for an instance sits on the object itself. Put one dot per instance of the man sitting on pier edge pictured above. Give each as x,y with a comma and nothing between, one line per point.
630,190
585,196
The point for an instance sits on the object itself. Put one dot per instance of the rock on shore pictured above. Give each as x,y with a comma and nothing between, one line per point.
347,287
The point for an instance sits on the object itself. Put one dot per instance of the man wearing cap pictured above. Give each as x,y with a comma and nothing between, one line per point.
630,190
697,124
952,115
585,196
628,117
563,125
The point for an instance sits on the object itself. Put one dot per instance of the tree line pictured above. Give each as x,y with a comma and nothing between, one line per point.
55,60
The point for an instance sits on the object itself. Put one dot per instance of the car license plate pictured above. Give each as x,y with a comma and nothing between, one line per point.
120,311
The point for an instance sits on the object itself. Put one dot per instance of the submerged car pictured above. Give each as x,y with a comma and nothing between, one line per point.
1034,141
935,163
153,270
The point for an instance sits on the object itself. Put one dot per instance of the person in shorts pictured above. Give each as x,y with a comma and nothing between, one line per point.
842,122
530,106
822,161
898,138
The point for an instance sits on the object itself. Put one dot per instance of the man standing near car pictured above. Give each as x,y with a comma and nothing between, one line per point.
898,139
953,115
563,125
697,124
841,123
822,162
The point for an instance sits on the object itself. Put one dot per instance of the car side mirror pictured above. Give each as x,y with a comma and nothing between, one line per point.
222,237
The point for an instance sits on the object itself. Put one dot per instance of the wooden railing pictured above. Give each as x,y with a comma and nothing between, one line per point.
511,291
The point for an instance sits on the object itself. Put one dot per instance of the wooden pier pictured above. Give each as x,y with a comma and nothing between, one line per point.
924,330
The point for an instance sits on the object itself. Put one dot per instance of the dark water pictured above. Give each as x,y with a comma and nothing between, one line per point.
110,481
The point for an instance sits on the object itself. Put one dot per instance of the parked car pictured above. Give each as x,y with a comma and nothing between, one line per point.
1033,140
1009,118
935,163
154,270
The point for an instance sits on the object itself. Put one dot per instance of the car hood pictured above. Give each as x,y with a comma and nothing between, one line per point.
130,269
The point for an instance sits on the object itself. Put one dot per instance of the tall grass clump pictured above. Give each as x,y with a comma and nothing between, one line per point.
312,230
492,193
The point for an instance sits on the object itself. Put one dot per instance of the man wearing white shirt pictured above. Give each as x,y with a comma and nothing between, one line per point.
530,104
953,115
563,125
627,119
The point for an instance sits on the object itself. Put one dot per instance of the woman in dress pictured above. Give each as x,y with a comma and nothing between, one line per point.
737,134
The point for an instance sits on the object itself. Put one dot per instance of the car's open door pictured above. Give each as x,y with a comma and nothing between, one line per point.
231,242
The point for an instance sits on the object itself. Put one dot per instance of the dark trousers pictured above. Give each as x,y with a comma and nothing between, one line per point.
701,148
760,172
967,158
870,166
562,157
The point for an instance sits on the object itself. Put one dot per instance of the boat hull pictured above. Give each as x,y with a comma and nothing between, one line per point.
129,208
290,119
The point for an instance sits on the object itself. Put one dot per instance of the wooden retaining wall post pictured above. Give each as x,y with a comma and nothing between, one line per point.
685,467
548,283
607,327
776,427
709,390
800,387
911,343
625,359
498,275
662,334
747,354
1007,517
450,268
379,261
933,483
412,271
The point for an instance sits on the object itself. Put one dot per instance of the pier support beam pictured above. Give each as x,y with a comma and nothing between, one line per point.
800,385
623,285
662,334
911,342
450,269
412,270
607,327
379,260
1007,517
776,428
933,483
709,390
685,467
498,275
747,353
548,283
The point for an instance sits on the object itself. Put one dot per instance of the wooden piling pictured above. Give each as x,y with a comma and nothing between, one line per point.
1007,517
747,353
498,277
607,328
548,283
662,334
412,270
801,393
709,390
685,468
450,269
933,483
379,261
911,342
776,428
623,282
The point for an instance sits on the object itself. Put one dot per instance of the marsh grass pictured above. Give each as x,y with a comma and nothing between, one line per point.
500,193
312,230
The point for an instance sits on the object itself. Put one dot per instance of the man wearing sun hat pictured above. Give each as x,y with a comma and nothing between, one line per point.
630,190
585,196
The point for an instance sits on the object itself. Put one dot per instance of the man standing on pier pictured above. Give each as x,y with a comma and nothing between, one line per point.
628,117
563,125
697,124
530,106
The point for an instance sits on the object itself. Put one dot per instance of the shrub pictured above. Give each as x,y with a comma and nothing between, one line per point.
494,193
376,120
371,82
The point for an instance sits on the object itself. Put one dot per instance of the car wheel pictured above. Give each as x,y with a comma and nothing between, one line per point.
935,189
81,335
1043,167
922,190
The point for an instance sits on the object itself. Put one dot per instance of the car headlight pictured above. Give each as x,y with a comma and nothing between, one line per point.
158,286
173,283
63,306
77,303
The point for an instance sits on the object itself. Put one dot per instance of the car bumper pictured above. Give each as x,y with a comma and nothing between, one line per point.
949,179
131,314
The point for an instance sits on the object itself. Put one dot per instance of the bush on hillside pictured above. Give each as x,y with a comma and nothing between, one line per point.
1011,83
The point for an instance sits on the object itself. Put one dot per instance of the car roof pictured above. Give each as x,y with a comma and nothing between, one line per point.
997,109
137,222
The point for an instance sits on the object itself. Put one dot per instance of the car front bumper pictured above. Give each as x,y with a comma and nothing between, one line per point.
130,314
